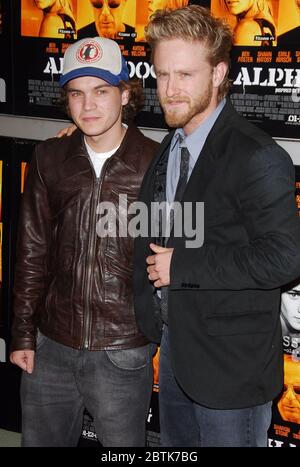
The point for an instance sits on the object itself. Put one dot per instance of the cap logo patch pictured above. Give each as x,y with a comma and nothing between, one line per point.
89,52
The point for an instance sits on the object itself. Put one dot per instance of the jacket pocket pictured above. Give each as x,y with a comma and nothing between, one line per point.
240,323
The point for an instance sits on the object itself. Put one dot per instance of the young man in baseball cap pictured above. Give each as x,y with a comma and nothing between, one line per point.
74,334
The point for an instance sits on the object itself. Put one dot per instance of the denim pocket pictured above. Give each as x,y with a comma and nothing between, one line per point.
131,359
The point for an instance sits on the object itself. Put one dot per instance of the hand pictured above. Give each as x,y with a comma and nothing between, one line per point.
159,265
24,359
66,131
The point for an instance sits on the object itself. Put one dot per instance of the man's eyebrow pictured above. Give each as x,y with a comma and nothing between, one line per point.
106,85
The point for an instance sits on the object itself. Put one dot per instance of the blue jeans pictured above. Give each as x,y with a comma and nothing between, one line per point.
115,387
184,423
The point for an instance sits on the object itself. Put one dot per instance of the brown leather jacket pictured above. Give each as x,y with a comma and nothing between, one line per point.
73,285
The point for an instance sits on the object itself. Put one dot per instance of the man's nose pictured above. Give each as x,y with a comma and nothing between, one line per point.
88,103
172,86
290,394
105,10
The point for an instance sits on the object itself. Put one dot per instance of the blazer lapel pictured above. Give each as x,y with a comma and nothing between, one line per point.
201,176
206,164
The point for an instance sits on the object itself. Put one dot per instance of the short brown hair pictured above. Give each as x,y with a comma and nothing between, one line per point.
194,23
130,110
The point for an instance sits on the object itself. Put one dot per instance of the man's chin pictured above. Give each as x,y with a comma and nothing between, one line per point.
108,33
175,120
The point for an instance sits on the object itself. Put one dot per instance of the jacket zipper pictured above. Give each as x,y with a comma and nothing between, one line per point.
91,254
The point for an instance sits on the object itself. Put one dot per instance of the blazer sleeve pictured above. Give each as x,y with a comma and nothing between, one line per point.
271,258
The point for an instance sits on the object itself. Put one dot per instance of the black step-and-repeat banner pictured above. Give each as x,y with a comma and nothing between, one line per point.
265,59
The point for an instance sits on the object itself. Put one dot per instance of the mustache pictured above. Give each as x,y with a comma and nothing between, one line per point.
172,100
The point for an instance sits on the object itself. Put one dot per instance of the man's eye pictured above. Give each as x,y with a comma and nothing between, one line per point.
294,295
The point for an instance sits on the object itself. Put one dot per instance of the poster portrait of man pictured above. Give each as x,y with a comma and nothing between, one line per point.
114,19
289,403
290,319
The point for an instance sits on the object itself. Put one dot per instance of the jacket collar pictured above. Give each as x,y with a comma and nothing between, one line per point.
215,141
132,139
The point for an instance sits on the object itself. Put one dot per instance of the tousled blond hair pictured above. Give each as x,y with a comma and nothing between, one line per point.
194,23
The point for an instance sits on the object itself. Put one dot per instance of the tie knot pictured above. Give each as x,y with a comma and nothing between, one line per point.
184,152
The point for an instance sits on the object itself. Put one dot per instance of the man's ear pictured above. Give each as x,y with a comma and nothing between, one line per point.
125,96
219,73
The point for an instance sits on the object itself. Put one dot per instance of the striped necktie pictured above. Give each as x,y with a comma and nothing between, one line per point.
184,172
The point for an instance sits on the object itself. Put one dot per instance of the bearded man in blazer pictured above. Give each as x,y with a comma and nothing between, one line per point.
217,300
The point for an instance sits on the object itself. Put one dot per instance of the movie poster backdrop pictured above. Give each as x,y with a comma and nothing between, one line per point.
266,80
265,64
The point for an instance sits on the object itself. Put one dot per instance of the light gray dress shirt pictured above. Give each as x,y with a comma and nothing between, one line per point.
194,142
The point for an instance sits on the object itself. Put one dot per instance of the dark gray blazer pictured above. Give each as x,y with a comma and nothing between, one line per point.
224,297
